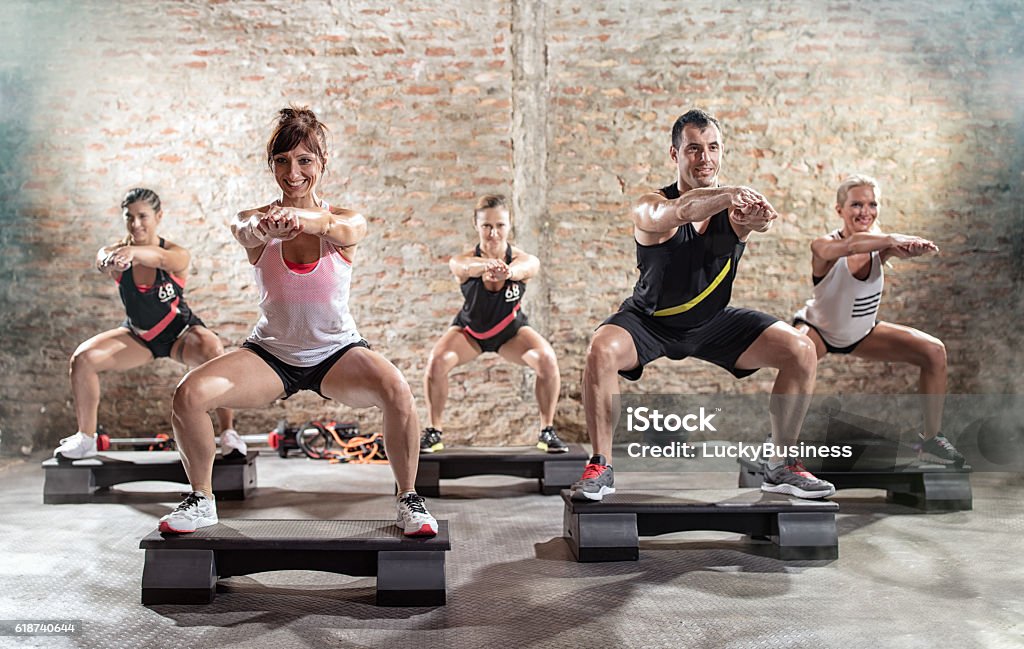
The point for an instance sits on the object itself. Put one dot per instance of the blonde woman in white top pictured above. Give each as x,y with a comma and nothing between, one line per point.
301,250
847,270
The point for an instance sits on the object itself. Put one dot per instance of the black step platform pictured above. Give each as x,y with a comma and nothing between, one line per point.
928,487
184,568
553,471
89,480
608,530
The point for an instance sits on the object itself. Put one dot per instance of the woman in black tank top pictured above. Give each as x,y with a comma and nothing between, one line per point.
492,277
149,271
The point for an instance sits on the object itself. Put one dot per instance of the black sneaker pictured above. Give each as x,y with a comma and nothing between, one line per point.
431,440
598,479
939,450
548,441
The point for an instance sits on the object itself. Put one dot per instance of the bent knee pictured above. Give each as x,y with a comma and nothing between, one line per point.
604,355
547,363
206,343
394,392
437,367
802,353
935,355
84,359
190,396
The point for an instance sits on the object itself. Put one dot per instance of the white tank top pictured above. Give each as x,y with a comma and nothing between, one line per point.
304,318
843,308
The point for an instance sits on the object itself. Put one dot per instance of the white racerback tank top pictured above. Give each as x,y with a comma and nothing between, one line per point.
843,308
304,318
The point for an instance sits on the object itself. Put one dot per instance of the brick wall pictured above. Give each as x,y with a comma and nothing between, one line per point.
565,106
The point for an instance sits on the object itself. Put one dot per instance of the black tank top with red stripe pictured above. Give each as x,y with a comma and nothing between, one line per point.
486,313
158,309
687,279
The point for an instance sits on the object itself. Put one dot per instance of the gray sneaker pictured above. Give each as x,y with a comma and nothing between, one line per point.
598,479
939,449
794,479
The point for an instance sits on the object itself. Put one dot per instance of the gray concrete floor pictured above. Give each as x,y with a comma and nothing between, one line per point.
903,578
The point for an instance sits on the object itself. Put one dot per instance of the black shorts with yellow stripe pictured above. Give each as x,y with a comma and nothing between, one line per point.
721,339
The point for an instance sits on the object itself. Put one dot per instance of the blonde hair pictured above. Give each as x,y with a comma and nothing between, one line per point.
859,180
856,180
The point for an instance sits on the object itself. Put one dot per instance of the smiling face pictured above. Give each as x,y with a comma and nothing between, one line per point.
297,173
699,156
493,225
859,211
141,222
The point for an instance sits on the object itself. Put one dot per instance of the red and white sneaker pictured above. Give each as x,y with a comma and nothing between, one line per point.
598,481
794,479
413,517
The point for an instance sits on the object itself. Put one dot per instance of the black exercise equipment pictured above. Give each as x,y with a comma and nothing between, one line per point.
184,569
609,530
90,479
553,472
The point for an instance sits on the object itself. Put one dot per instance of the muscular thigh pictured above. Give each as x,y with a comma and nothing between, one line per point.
359,377
115,349
526,346
454,348
194,348
894,343
237,379
772,347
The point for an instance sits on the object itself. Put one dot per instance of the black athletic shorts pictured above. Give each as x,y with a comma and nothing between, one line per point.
832,349
494,343
720,340
160,346
297,378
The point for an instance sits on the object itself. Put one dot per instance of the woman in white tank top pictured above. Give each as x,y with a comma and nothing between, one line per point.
301,250
846,266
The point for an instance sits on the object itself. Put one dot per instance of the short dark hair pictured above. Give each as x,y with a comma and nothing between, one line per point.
695,116
489,201
137,194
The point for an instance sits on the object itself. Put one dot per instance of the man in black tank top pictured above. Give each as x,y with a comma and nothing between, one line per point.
689,237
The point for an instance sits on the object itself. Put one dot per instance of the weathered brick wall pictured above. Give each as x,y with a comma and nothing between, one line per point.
566,106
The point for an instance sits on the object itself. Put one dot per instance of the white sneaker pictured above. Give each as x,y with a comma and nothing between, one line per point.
194,512
413,517
231,441
76,447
